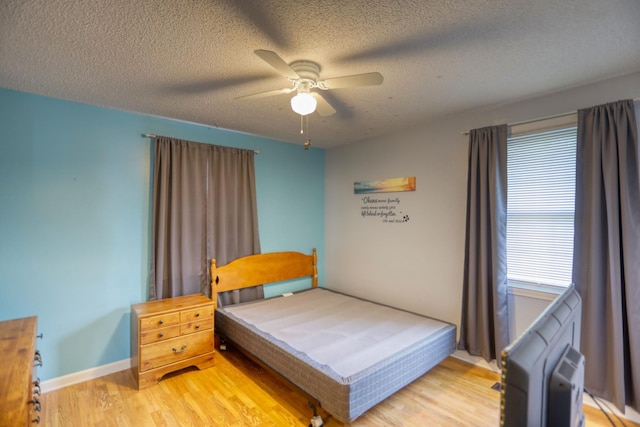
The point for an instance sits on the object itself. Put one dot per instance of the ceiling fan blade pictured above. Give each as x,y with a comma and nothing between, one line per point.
323,108
367,79
276,62
267,94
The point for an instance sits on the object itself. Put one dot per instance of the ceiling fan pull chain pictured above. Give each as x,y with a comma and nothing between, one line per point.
307,143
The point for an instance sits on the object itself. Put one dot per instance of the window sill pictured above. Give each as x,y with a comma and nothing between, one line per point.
534,290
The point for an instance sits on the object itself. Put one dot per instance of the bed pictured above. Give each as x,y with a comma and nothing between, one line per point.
347,353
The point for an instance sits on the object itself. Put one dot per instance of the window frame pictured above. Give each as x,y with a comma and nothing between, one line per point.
517,286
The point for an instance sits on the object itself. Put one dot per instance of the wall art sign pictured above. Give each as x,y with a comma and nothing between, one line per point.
388,185
385,208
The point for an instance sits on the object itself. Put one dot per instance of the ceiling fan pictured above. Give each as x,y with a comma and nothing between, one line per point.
303,78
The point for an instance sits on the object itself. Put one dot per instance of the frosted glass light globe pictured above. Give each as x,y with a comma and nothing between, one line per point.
303,103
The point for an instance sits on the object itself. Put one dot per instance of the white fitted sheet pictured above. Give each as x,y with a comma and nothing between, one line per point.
345,334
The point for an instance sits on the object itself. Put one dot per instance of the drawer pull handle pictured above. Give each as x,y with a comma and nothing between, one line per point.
175,350
160,322
36,404
36,420
197,314
197,326
160,335
37,390
41,335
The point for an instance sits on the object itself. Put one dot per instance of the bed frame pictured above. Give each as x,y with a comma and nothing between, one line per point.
344,398
260,269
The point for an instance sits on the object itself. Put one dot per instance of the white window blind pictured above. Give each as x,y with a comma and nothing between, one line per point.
540,207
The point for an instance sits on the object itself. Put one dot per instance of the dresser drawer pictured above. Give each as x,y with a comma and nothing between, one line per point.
196,314
160,321
196,326
176,349
159,334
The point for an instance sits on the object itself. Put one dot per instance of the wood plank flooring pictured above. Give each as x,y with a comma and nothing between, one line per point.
237,392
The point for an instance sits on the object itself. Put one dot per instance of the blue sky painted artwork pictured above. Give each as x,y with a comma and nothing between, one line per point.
388,185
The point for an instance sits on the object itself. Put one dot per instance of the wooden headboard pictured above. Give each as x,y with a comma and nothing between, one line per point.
261,269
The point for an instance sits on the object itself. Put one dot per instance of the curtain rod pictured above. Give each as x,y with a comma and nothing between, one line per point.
525,122
556,116
151,135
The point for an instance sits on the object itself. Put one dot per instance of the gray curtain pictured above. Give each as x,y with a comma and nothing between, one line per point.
204,206
484,327
606,268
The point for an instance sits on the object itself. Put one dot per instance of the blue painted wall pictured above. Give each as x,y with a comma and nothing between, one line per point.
75,217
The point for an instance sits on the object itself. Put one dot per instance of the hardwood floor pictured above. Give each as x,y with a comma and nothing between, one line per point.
237,392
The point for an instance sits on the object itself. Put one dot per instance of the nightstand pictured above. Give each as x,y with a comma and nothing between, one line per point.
171,334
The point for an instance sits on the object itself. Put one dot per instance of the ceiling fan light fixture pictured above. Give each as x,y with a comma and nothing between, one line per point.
303,103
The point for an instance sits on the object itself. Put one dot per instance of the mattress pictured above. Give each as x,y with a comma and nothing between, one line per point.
347,353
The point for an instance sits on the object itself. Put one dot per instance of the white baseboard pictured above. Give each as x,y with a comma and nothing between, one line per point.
475,360
86,375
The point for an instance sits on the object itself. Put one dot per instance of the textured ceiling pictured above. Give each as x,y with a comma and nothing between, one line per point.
190,59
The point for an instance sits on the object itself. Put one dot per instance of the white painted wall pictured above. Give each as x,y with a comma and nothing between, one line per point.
525,307
418,265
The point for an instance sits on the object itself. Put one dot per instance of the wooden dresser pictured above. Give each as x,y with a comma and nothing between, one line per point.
171,334
19,394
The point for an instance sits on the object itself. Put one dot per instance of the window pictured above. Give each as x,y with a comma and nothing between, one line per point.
540,207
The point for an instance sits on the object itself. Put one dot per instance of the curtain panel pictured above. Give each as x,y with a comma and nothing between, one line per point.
204,206
606,269
484,326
